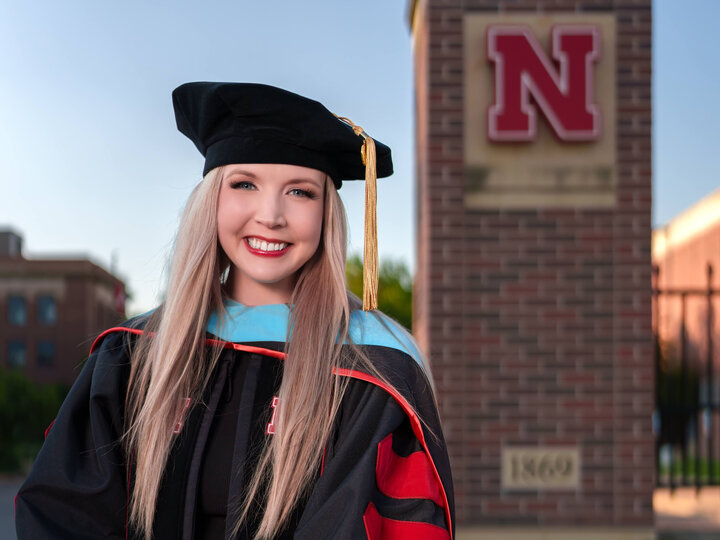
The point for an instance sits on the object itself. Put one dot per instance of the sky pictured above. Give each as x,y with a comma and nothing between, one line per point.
92,165
686,105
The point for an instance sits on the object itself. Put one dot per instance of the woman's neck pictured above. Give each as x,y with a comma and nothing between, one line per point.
253,293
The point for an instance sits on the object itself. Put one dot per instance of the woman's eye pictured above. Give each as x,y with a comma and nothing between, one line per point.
241,184
302,193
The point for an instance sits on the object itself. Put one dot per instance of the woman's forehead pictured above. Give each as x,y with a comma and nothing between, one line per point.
269,168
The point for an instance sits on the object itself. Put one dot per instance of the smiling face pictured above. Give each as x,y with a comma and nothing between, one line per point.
269,225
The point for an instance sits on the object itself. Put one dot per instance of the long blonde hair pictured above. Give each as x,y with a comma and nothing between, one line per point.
176,363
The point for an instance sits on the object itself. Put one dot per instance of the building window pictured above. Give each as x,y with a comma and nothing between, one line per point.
14,245
47,312
17,310
45,353
16,354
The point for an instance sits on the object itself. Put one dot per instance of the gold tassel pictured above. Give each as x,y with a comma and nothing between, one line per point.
370,253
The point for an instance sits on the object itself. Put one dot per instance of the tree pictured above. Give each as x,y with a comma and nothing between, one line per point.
394,287
26,409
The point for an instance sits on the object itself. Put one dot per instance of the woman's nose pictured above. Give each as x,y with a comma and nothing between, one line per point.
270,213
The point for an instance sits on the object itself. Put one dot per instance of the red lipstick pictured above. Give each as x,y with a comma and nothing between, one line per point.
261,253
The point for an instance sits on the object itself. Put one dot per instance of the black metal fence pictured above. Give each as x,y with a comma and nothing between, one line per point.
687,386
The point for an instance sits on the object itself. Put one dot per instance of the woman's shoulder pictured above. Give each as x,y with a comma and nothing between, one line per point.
122,333
399,366
392,349
106,371
375,328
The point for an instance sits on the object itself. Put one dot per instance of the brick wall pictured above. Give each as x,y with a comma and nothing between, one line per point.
537,322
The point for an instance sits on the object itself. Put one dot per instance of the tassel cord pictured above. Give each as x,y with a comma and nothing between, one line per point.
370,252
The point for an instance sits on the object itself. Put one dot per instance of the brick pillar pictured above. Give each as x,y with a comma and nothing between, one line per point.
537,320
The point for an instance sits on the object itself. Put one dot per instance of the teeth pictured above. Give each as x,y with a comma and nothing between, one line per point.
265,246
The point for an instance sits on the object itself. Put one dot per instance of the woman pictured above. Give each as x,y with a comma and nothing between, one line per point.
259,400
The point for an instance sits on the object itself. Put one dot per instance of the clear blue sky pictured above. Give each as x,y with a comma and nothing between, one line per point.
686,104
91,162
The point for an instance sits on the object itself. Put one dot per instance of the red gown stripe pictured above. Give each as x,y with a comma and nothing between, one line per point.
408,477
416,427
378,527
209,341
47,429
111,330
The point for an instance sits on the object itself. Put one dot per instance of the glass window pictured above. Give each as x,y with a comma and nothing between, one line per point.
17,310
45,353
47,314
16,354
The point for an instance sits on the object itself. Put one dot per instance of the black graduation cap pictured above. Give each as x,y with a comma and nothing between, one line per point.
258,123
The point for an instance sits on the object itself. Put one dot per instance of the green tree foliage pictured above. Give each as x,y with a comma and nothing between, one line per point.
26,409
394,287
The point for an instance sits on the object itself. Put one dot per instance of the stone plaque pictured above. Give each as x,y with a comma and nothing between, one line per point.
543,467
550,163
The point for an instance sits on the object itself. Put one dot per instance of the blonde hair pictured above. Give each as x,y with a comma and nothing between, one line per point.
176,363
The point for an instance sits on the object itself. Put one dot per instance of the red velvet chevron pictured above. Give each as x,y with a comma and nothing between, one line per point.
378,527
410,477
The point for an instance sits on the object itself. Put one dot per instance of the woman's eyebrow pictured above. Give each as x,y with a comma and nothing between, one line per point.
315,183
308,180
240,171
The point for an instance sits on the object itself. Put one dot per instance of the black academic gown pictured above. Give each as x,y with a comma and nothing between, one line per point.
384,474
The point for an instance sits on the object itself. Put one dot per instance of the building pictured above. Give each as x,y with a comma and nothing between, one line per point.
533,290
52,309
686,258
684,247
683,251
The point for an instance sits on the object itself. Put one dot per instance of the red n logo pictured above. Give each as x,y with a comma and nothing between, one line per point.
563,94
270,429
